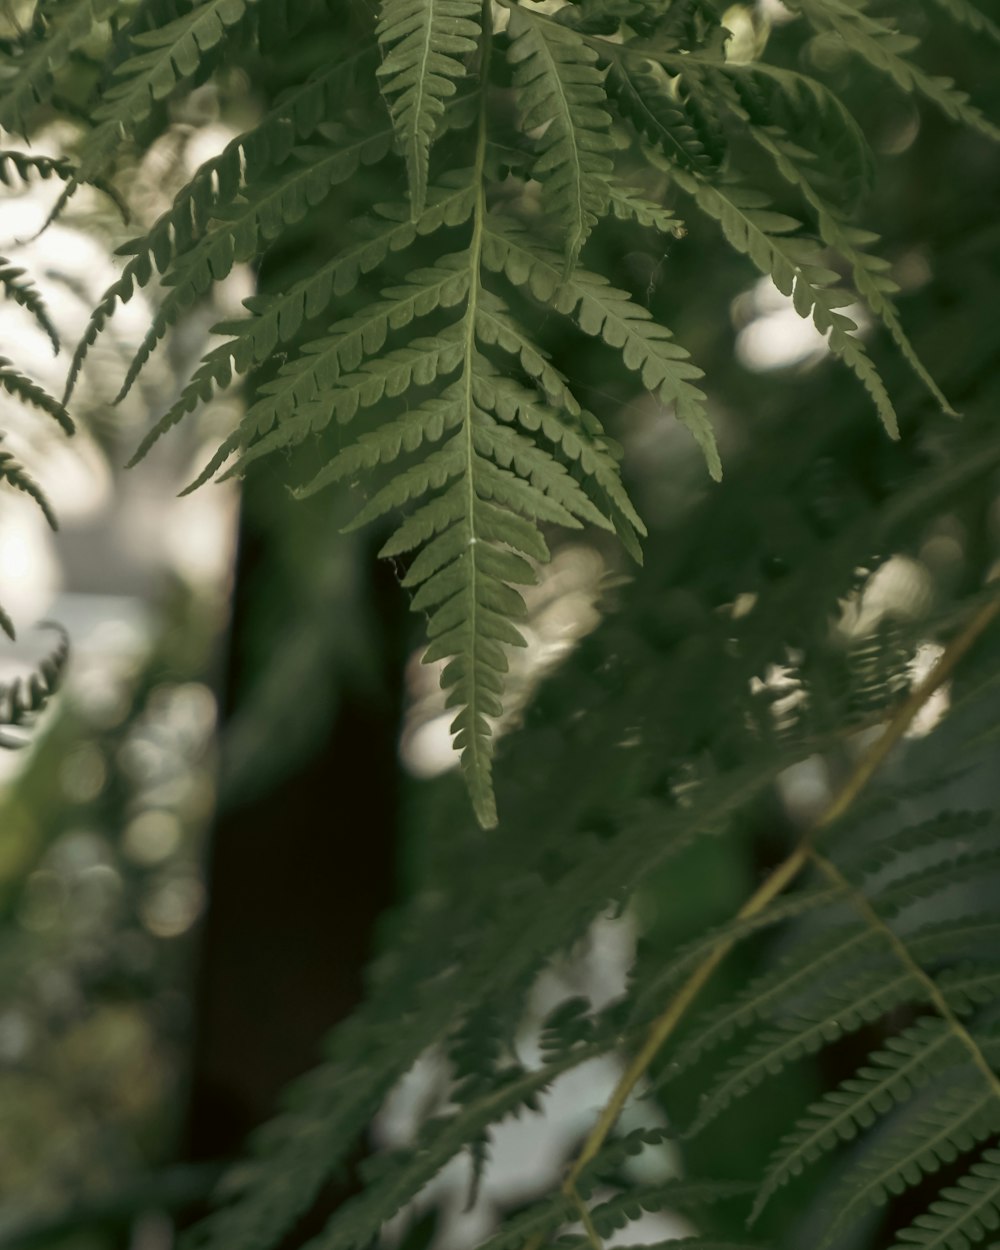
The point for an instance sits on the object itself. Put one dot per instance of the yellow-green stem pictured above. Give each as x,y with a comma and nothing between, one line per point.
781,877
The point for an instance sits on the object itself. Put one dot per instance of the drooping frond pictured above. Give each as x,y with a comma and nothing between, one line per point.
604,312
15,474
26,165
169,55
925,1137
911,1061
239,230
578,119
886,49
29,76
561,94
482,484
629,205
28,392
216,184
870,273
677,124
796,266
278,318
832,150
424,44
19,287
23,699
963,1213
874,949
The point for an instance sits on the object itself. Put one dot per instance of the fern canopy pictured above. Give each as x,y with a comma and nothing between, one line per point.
529,229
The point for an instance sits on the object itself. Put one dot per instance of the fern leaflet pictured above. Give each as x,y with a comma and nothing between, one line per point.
423,44
560,93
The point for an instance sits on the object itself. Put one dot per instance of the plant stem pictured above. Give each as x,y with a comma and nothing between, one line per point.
781,877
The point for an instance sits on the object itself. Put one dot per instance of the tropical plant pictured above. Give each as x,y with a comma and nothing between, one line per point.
492,161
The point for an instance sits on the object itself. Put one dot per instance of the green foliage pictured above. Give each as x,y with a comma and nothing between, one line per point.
423,44
23,699
455,364
665,81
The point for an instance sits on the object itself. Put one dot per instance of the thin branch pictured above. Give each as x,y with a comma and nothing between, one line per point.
782,876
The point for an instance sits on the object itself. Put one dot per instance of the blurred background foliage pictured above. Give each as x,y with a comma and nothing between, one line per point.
249,764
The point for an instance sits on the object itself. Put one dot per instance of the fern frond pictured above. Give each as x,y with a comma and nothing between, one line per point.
655,986
577,440
323,363
560,92
611,1216
792,976
963,1214
276,319
912,1059
17,476
952,1121
395,1179
236,234
29,84
831,148
870,273
677,125
28,392
23,700
886,49
424,44
173,55
217,183
795,265
600,310
840,1010
28,164
629,205
18,287
278,419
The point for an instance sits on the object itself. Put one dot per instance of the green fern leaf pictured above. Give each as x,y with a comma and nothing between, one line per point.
28,86
650,993
15,383
174,55
956,1119
579,444
240,229
645,96
886,49
909,1061
830,145
17,476
795,266
22,290
396,1179
560,92
22,701
217,183
423,44
629,205
871,279
278,318
837,950
611,1216
277,420
841,1010
601,310
963,1214
25,165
